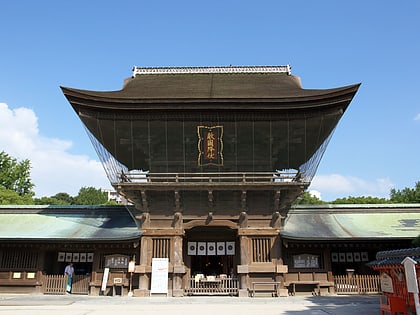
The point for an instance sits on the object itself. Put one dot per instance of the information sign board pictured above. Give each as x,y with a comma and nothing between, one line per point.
159,275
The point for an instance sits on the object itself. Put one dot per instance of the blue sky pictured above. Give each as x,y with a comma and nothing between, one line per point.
94,45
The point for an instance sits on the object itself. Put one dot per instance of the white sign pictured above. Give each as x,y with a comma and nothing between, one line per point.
386,283
410,274
411,278
159,275
105,279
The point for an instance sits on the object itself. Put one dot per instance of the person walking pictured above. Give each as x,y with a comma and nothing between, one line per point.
69,271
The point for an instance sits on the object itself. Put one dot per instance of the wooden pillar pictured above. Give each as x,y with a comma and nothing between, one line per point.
243,272
144,268
179,268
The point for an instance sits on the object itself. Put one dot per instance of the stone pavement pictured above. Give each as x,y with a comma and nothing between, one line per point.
104,305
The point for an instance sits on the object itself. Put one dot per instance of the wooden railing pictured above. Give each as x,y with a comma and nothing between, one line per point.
357,284
55,284
232,177
80,284
218,286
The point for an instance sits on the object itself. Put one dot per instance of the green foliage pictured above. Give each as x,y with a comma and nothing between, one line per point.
11,197
91,196
307,199
64,197
416,241
360,200
15,175
50,201
406,195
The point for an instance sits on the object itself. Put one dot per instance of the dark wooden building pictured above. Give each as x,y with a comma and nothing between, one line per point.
37,242
211,157
321,242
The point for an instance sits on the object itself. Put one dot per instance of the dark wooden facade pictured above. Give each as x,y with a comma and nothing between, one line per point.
211,155
37,242
300,256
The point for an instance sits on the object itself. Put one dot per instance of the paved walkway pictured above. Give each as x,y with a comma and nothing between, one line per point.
89,305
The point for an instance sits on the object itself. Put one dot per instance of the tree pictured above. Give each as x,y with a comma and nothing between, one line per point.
11,197
91,196
360,200
64,197
49,201
15,175
406,195
308,199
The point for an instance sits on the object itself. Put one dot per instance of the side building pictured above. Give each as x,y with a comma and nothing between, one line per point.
37,242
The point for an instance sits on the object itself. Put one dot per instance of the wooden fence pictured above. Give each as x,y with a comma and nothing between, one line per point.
219,286
357,284
80,284
57,284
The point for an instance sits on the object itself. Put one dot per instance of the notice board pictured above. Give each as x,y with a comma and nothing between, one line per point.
159,275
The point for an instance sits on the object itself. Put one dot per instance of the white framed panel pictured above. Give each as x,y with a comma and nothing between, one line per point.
192,248
230,248
61,257
364,256
211,248
76,257
221,248
201,248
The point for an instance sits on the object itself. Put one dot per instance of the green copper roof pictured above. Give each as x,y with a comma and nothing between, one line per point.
93,223
335,222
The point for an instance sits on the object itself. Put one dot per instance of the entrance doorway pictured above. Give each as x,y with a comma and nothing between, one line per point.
211,251
212,265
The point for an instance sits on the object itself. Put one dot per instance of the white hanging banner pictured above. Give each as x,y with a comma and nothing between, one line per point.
192,248
89,257
211,248
105,279
201,248
76,257
230,248
61,256
160,268
221,249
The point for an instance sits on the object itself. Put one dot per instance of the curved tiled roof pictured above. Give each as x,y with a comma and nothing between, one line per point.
212,88
83,223
395,257
355,222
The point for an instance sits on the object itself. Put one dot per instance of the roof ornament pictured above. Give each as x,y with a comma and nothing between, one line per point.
196,70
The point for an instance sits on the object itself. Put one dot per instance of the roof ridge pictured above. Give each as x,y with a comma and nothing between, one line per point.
211,69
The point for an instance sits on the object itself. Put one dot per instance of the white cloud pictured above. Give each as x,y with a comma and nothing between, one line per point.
54,169
335,186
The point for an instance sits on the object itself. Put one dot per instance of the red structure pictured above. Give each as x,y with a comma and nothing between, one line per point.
396,298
